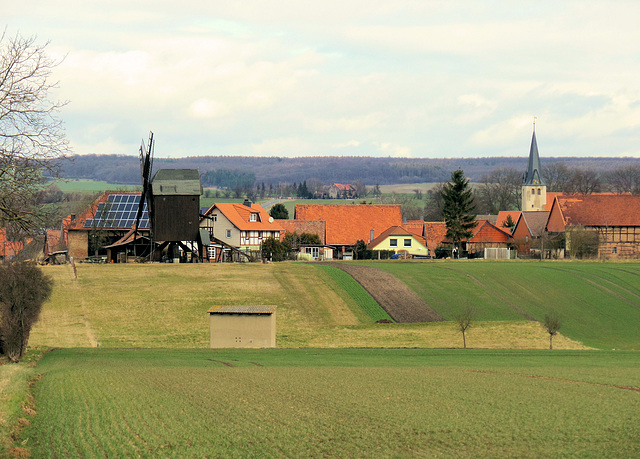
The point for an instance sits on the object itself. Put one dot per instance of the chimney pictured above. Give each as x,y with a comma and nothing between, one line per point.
371,237
247,203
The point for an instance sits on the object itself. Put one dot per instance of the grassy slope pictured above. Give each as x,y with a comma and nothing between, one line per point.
599,303
165,306
337,403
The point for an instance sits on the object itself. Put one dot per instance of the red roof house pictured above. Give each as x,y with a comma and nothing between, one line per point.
347,224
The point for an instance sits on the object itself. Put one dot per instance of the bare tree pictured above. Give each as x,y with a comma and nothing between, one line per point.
624,180
584,181
557,177
498,191
464,320
32,139
551,324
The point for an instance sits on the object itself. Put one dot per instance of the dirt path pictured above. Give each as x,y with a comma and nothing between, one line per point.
401,303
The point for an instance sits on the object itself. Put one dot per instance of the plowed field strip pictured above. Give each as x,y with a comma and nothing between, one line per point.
393,295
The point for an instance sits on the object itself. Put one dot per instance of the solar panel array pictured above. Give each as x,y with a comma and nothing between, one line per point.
119,212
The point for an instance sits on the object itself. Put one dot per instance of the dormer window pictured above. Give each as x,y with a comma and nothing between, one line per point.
253,217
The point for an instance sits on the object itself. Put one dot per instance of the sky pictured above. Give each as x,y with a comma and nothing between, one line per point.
402,78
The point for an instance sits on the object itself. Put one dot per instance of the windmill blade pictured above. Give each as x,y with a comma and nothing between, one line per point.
145,170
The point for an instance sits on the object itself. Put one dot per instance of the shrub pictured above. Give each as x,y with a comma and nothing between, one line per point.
23,290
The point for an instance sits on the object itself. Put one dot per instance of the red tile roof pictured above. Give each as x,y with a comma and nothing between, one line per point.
239,215
344,186
600,209
486,232
8,248
504,214
304,226
347,224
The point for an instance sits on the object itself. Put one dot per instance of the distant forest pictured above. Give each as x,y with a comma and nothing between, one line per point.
233,171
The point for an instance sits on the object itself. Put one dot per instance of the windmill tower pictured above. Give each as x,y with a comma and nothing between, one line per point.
534,191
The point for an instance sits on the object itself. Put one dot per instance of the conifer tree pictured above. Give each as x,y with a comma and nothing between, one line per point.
457,208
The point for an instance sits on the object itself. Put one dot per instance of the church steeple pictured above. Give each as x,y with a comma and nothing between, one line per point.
534,191
533,175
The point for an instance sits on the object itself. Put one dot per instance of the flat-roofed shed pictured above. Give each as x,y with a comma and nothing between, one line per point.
242,326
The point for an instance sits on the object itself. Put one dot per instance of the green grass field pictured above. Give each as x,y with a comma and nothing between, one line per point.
80,185
336,403
599,303
132,375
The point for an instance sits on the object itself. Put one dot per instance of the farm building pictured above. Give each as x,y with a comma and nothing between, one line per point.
242,326
107,220
486,236
530,231
615,218
348,224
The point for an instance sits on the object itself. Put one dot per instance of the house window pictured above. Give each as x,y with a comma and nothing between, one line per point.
214,217
253,218
539,191
407,242
228,234
614,250
393,243
533,191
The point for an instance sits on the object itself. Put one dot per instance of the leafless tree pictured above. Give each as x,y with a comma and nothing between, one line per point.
361,189
464,320
551,324
498,191
624,180
584,181
556,176
433,207
32,139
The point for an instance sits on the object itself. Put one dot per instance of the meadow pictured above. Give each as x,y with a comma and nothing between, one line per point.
334,403
119,364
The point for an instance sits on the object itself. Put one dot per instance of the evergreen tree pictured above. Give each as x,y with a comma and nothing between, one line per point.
458,208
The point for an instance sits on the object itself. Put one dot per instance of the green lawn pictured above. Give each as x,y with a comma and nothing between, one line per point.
599,303
339,403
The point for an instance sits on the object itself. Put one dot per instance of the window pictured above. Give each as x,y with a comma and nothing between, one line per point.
228,234
393,243
407,242
253,217
533,191
539,189
614,250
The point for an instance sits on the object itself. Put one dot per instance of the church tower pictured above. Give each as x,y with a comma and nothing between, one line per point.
534,191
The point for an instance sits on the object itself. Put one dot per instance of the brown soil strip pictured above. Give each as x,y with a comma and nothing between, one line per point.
551,378
220,361
394,296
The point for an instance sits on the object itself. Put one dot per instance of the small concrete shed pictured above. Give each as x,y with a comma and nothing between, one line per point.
242,326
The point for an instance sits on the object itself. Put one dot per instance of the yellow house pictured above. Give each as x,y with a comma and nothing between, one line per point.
400,239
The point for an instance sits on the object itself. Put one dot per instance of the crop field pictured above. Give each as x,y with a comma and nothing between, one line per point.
336,403
78,185
357,292
599,303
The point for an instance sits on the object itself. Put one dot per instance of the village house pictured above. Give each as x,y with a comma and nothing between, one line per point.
239,226
348,224
400,240
530,232
615,218
341,191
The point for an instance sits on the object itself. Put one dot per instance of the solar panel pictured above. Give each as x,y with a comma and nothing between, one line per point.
119,212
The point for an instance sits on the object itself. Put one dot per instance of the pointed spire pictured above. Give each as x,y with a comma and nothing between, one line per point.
533,175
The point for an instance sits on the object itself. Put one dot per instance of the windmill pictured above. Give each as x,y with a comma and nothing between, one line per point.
146,165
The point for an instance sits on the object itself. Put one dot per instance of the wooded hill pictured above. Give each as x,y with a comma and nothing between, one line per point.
121,169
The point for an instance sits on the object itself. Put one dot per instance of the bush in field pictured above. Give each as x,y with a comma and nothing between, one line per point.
552,324
464,319
23,290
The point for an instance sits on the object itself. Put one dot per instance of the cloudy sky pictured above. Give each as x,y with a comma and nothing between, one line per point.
402,78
